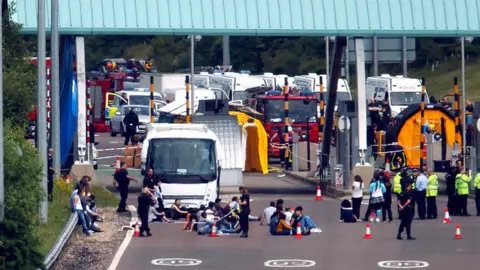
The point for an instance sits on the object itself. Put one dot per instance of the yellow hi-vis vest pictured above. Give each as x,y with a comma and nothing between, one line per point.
432,188
476,182
461,183
397,186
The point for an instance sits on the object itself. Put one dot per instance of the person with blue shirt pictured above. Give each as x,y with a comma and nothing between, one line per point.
377,190
421,184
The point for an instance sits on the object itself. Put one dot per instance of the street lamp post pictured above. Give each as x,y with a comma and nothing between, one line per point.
193,38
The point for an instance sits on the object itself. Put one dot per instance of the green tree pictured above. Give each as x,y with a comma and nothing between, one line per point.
19,232
19,77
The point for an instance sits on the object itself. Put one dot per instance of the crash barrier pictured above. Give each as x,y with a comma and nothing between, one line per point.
62,239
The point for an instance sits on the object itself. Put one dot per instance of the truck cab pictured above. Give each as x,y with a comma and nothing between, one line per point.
187,160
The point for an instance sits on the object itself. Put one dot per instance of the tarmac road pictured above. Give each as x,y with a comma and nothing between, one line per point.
338,247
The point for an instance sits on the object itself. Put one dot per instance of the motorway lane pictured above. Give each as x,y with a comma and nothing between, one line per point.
340,246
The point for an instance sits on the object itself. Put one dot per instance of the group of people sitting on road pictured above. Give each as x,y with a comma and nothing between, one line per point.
284,221
82,202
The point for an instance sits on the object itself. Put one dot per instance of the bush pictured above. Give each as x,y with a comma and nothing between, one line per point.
20,239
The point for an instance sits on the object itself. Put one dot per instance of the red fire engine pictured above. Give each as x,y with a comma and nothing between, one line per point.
302,114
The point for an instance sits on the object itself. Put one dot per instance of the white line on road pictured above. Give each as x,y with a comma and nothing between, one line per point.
126,241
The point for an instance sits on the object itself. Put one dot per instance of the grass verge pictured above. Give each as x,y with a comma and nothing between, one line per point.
59,210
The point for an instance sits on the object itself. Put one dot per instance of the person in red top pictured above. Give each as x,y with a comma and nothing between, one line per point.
33,114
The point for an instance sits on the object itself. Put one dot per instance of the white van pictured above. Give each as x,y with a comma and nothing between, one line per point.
187,159
312,82
399,91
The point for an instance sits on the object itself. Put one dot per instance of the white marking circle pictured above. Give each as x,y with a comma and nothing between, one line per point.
403,264
176,262
290,263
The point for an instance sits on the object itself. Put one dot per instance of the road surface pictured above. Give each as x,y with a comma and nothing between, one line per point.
338,247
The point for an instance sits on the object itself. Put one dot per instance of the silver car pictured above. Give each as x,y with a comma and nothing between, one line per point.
116,123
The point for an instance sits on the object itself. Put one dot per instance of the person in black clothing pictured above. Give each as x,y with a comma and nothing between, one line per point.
149,181
51,173
450,179
245,211
122,180
373,109
144,202
386,114
406,214
403,182
131,123
387,204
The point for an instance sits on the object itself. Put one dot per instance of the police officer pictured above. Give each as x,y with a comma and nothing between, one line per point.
476,186
51,173
144,202
450,180
244,211
122,180
131,123
462,188
397,186
406,213
432,192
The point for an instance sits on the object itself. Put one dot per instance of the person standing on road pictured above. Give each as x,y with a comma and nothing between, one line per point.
131,123
122,180
450,178
420,192
476,186
432,192
357,195
397,186
51,173
387,204
245,211
461,185
377,190
406,214
144,202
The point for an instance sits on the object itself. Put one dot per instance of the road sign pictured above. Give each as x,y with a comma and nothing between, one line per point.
389,50
344,123
403,264
176,262
290,263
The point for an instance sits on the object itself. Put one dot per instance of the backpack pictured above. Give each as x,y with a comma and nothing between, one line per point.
273,225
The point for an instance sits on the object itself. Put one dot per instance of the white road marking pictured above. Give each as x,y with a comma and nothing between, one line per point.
176,262
290,263
403,264
126,241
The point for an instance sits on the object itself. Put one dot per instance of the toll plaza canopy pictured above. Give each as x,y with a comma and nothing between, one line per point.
258,17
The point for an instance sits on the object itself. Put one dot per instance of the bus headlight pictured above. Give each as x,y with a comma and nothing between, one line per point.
208,195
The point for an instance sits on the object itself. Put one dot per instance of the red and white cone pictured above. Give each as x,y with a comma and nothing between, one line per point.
117,164
214,231
458,234
447,219
298,233
137,230
319,194
387,165
368,235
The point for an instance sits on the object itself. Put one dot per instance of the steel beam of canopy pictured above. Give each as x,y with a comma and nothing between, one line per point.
335,72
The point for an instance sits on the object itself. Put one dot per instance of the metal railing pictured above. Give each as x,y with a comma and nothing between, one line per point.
62,239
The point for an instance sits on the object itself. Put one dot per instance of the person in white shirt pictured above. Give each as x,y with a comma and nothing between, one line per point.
288,214
357,195
267,214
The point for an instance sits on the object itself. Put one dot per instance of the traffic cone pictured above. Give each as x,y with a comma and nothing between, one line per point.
319,194
117,164
446,219
387,165
458,234
298,233
137,230
367,236
214,231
